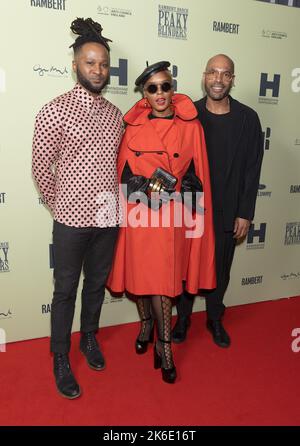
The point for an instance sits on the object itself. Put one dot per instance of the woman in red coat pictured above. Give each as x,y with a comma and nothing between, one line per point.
161,243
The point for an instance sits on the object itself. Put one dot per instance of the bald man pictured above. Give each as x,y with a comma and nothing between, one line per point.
235,151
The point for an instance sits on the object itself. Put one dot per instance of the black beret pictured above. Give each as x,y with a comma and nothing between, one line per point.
150,70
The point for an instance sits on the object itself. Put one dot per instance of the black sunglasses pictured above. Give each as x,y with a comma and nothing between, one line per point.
165,87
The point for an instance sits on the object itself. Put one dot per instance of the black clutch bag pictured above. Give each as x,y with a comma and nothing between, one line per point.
161,180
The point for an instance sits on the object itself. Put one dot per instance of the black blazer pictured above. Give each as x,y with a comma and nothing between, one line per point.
244,164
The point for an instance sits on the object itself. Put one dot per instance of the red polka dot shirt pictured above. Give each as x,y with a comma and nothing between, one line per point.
75,147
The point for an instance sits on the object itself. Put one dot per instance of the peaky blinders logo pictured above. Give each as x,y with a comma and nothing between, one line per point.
292,233
172,22
4,262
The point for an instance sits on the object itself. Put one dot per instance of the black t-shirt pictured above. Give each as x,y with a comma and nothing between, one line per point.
218,136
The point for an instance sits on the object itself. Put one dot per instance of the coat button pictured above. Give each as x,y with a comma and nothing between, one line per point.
137,153
176,155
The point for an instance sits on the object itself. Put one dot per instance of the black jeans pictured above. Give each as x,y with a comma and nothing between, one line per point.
74,248
224,249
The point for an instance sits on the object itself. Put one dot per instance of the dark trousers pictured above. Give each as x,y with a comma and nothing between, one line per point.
224,249
74,248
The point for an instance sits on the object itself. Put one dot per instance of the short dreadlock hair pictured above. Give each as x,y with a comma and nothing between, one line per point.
88,31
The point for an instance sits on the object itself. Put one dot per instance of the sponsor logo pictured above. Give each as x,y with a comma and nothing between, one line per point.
49,4
4,262
262,192
114,12
225,27
2,81
119,75
46,308
256,237
295,189
293,3
296,82
297,142
6,314
292,233
51,71
268,85
172,22
252,280
266,136
279,35
2,197
290,276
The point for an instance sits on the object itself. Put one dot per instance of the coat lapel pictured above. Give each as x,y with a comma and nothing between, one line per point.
238,117
146,139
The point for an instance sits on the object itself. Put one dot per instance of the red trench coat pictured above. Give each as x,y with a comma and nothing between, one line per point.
155,260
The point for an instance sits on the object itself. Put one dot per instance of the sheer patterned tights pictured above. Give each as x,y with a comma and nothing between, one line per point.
160,309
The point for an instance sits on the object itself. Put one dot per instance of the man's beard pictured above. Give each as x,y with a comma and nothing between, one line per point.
218,96
88,85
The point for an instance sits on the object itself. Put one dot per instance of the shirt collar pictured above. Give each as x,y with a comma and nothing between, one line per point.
87,99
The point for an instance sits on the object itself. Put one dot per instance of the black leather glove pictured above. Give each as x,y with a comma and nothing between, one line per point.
135,188
135,183
191,183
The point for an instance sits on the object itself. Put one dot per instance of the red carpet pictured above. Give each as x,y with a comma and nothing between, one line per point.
254,382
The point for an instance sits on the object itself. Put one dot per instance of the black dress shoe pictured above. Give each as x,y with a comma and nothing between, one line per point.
90,348
218,332
180,329
65,381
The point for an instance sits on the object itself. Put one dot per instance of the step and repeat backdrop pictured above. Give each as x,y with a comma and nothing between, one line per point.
35,66
294,3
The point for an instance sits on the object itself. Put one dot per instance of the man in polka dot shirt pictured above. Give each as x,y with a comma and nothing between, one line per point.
75,147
